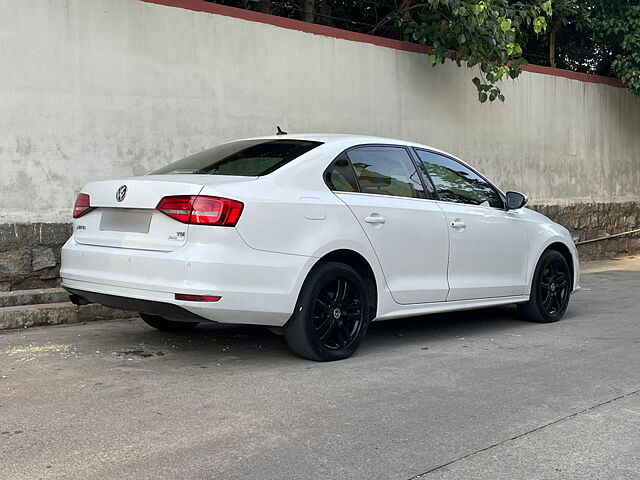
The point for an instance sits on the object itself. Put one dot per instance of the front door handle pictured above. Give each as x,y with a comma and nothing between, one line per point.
374,218
457,223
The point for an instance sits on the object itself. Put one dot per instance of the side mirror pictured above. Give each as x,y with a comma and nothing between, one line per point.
516,200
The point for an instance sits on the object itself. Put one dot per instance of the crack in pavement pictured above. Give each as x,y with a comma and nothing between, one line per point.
575,414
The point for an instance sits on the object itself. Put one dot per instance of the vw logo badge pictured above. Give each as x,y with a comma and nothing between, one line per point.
121,193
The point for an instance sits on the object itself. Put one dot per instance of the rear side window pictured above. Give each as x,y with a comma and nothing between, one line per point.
246,158
340,177
386,171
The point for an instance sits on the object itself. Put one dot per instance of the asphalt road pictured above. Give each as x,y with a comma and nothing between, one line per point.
470,395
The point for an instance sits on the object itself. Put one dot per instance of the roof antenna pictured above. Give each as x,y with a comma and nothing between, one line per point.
280,131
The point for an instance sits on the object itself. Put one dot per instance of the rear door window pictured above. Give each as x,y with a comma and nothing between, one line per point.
386,170
246,158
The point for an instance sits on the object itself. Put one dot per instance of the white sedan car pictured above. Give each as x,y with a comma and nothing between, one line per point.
319,234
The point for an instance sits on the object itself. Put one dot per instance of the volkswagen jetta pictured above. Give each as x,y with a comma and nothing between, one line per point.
319,234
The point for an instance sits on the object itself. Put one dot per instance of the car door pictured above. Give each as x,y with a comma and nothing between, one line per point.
488,244
407,229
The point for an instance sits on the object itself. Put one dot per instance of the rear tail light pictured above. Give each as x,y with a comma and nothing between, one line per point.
197,298
177,207
82,205
202,210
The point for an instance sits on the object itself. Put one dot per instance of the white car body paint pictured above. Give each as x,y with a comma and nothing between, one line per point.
412,245
486,251
291,219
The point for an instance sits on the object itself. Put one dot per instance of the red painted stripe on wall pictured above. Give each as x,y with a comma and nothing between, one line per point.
291,24
582,77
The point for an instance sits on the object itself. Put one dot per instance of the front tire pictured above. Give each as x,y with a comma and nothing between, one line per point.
165,325
331,316
550,289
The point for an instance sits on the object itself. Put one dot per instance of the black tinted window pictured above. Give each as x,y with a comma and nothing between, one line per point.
340,176
456,183
247,158
386,171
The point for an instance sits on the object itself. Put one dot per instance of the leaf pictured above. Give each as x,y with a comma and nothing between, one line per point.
539,24
482,97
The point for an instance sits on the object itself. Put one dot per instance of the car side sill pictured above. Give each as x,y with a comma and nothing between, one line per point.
439,307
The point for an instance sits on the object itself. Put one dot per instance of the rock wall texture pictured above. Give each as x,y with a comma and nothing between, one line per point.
587,221
30,253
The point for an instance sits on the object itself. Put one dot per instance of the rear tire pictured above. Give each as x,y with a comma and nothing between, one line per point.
550,289
331,316
165,325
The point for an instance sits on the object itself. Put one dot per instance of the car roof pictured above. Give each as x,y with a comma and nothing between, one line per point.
328,138
349,140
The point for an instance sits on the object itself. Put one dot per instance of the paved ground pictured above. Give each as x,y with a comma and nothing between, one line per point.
471,395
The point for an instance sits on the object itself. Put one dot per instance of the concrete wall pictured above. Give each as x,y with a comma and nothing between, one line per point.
95,89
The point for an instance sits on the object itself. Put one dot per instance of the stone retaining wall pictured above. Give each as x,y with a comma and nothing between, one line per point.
30,253
587,221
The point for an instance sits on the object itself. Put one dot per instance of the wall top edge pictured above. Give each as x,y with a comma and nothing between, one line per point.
291,24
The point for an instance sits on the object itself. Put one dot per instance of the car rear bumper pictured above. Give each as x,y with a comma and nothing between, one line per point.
256,287
165,310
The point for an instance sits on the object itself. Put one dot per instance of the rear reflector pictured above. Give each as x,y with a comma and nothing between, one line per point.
202,210
82,205
197,298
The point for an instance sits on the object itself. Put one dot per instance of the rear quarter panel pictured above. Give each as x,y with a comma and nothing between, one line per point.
283,219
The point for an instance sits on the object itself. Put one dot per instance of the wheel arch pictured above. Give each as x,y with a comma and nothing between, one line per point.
359,263
565,251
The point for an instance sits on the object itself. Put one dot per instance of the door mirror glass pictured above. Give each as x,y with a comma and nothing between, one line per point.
515,200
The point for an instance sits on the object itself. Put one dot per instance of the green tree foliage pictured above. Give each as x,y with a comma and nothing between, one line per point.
498,36
488,34
614,28
593,36
485,33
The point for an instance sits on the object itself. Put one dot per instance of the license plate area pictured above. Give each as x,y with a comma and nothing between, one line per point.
116,220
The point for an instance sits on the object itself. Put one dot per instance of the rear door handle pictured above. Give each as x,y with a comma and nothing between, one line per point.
374,218
457,223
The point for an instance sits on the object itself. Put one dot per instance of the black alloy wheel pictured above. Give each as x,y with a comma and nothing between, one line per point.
550,290
554,287
332,314
337,314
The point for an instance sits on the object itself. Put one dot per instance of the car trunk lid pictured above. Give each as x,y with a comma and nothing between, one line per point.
124,211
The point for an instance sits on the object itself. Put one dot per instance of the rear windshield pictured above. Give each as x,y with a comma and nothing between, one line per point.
246,158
